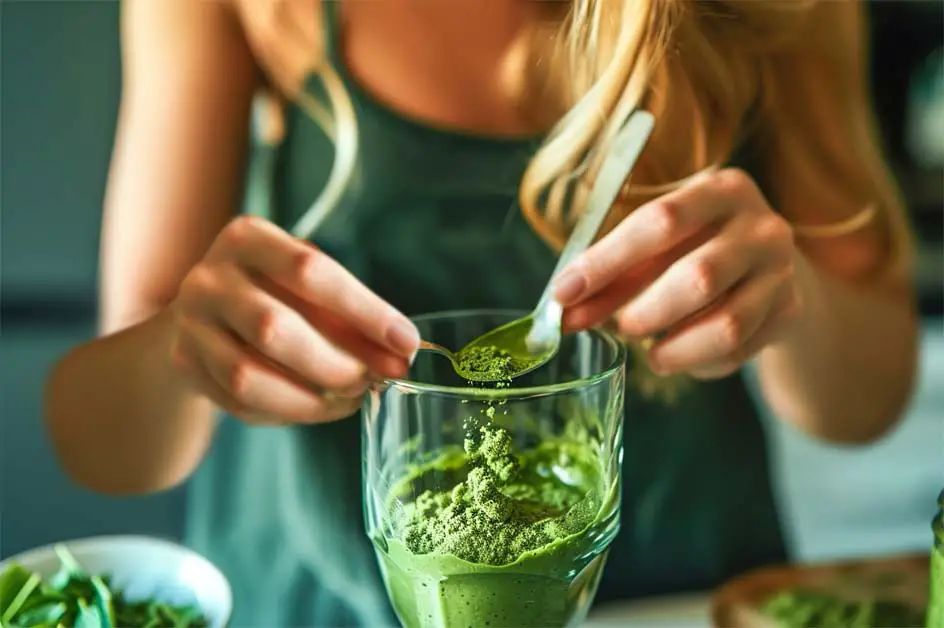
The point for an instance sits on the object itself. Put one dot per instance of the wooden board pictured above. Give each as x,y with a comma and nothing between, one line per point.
904,578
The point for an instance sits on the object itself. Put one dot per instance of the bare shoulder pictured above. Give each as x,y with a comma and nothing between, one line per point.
286,37
158,29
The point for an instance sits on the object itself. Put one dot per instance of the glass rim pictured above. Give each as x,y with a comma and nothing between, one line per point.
408,385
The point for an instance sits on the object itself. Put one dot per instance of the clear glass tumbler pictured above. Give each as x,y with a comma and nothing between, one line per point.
563,424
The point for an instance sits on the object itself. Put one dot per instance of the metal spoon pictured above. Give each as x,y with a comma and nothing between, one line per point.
532,341
516,362
426,345
456,358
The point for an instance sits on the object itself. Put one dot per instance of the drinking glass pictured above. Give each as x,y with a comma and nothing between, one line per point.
408,423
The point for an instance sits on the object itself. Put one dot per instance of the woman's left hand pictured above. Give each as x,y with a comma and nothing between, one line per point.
707,270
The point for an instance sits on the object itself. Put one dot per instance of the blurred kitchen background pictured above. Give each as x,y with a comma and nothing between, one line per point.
60,72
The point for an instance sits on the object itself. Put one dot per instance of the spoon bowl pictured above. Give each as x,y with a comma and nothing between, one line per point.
496,356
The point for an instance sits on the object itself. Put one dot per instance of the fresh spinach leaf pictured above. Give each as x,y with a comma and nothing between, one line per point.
68,561
103,601
88,616
46,614
17,603
73,598
12,582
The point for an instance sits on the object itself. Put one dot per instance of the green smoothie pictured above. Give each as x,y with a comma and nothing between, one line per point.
935,616
518,540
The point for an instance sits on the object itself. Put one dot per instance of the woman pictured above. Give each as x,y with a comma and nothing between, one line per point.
795,262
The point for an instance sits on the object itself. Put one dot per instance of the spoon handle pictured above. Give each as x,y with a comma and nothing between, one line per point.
616,168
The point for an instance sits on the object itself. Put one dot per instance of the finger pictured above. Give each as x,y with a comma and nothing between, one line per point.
601,306
251,384
336,408
786,308
317,279
353,391
769,332
283,335
718,333
691,284
733,363
378,360
204,383
652,229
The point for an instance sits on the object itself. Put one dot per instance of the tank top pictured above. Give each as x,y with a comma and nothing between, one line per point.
428,223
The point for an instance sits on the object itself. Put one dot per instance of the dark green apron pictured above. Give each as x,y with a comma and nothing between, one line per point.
429,224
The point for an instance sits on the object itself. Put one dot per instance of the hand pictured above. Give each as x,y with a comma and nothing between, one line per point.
273,330
708,270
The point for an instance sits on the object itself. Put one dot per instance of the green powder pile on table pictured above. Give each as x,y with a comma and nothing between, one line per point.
500,511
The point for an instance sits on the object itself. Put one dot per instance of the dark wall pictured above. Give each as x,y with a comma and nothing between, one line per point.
61,82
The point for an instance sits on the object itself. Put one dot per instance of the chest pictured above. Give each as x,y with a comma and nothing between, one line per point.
450,73
429,220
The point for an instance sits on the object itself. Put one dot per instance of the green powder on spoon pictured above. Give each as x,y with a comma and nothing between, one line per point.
491,363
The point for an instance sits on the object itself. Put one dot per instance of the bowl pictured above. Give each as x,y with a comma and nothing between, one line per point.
143,567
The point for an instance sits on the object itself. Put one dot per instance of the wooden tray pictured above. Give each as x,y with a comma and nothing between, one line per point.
737,603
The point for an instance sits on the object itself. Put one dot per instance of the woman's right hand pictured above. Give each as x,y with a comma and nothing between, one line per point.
275,331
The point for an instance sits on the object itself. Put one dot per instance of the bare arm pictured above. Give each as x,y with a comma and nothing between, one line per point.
121,418
846,369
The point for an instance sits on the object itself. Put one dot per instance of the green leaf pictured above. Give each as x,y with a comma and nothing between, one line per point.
88,616
103,600
70,570
45,614
75,599
188,616
59,581
80,587
68,560
50,592
166,613
126,614
11,609
12,582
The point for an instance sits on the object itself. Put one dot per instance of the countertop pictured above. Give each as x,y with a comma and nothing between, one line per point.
682,611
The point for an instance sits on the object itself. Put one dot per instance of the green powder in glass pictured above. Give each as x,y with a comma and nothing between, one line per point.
505,507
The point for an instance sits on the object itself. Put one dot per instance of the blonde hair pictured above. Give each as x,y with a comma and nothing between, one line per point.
706,69
695,66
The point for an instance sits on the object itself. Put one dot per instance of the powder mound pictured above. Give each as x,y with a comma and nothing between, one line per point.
492,363
495,515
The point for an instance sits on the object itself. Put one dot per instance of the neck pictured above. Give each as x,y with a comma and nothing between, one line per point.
438,61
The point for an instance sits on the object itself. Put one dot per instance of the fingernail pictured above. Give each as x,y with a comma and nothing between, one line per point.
403,338
569,287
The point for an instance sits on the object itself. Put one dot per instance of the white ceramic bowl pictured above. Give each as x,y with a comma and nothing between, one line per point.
143,567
